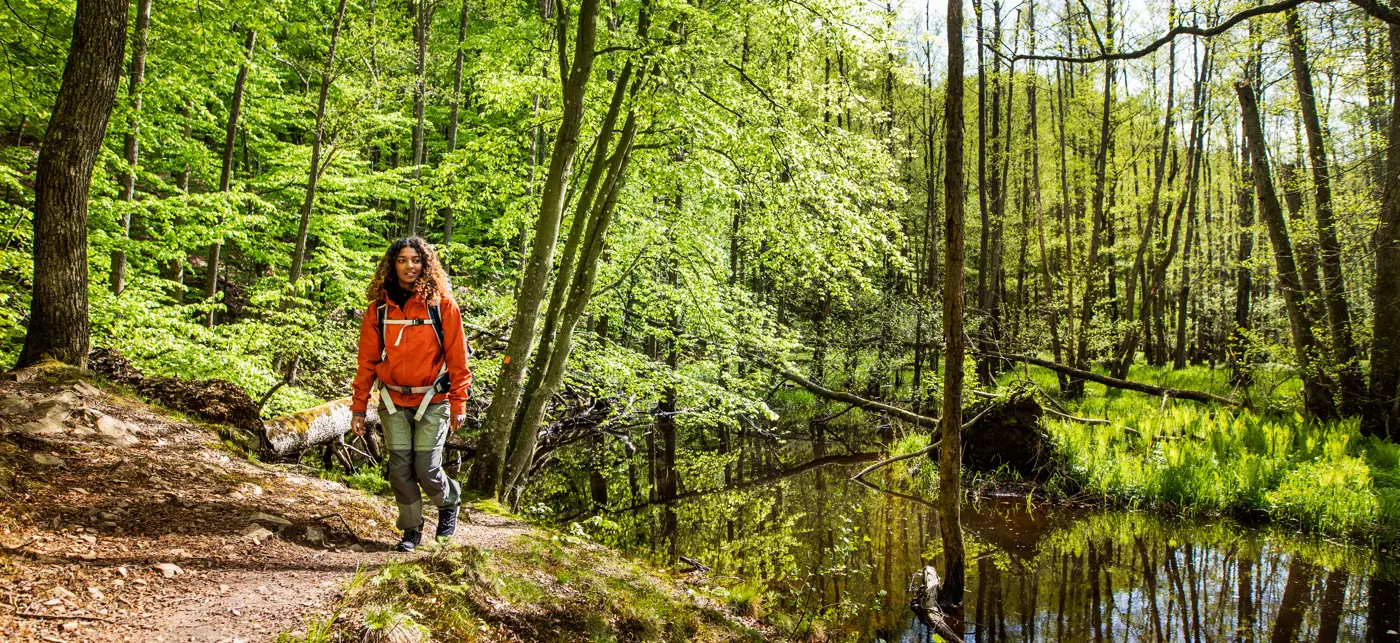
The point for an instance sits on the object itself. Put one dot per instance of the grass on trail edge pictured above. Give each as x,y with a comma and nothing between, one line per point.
1202,459
543,587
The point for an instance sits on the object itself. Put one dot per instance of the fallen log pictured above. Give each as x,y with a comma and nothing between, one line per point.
854,400
294,432
1179,393
923,600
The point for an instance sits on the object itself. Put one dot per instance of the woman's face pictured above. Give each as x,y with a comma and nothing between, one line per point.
408,266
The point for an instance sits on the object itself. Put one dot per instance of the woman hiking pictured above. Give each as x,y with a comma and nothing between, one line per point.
413,361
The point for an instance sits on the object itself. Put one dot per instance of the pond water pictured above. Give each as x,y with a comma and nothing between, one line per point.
835,559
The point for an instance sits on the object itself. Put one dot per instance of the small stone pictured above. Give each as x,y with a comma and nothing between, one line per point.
66,401
270,519
356,548
47,460
251,489
60,592
315,535
95,593
256,533
86,390
169,570
115,431
118,582
223,588
44,427
91,539
70,626
14,404
53,601
218,471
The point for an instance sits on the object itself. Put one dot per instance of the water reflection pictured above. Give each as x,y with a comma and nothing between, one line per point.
838,558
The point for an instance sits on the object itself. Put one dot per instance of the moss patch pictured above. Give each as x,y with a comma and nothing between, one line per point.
542,588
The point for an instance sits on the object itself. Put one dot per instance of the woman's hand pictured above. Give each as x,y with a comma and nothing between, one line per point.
357,425
457,420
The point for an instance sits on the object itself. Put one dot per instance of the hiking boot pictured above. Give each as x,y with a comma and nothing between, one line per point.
447,521
411,538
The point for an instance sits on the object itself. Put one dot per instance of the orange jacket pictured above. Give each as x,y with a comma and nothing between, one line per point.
415,359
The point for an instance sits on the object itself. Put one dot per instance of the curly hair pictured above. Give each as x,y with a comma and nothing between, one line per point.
432,284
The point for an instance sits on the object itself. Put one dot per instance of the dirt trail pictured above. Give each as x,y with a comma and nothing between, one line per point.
170,539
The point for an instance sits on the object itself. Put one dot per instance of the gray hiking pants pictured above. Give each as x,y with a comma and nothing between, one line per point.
415,458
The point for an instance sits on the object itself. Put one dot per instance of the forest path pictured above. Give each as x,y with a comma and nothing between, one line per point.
169,538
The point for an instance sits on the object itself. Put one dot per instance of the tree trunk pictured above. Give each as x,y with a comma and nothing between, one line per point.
58,305
1351,386
421,23
1127,349
447,212
131,145
314,173
1385,350
211,279
1048,276
1091,267
1316,397
580,292
489,468
950,455
1237,345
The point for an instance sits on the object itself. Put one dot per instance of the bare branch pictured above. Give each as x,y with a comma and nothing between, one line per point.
1373,7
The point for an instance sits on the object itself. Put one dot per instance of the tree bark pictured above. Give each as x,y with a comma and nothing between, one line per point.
1385,350
131,145
950,456
211,278
489,468
1316,397
1351,386
314,174
58,305
1237,346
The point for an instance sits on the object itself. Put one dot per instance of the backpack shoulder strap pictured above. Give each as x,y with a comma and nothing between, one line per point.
383,313
436,314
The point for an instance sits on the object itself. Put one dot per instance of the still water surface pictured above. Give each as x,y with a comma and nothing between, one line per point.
839,557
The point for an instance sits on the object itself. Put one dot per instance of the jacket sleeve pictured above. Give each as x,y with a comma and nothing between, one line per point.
455,342
369,358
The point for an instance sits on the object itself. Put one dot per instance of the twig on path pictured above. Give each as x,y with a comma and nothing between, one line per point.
344,523
64,617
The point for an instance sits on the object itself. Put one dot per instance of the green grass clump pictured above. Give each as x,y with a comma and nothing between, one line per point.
1206,459
542,588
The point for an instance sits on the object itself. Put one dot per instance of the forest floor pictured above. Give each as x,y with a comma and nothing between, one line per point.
161,535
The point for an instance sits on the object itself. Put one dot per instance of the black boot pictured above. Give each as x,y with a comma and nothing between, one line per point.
447,521
411,538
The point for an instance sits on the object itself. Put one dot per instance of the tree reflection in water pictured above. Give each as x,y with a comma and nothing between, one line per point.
836,559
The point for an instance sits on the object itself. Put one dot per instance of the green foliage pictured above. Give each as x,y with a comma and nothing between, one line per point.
1200,459
537,589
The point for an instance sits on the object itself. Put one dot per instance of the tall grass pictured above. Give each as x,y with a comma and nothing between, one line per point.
1205,459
